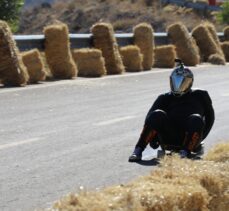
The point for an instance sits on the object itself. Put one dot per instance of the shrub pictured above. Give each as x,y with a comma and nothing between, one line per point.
223,16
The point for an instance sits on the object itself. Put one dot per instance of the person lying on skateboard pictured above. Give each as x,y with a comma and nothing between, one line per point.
180,119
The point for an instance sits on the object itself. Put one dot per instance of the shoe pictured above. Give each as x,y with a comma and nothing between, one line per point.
184,153
136,155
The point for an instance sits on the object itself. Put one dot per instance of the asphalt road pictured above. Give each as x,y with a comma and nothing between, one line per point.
58,136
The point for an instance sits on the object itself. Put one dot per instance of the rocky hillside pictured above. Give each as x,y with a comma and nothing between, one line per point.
80,15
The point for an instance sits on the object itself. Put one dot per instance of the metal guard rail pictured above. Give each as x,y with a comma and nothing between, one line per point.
28,42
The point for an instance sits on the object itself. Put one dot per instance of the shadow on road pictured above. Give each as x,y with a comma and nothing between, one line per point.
152,162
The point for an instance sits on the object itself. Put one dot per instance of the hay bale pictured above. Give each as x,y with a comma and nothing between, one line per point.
220,153
35,66
90,62
186,47
216,59
177,184
226,33
205,41
164,56
144,39
57,51
132,58
12,70
213,32
104,39
225,48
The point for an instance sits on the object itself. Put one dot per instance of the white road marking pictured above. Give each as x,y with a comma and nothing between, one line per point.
18,143
78,81
116,120
225,95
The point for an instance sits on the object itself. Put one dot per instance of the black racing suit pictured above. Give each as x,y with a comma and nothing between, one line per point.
181,122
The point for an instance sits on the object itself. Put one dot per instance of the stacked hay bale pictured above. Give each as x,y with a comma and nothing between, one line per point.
226,33
186,47
104,39
164,56
35,66
12,70
225,48
207,45
177,184
144,39
213,33
90,62
57,51
132,58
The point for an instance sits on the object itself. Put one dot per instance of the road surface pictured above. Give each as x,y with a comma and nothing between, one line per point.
58,136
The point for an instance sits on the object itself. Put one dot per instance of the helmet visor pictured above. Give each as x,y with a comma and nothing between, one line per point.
180,84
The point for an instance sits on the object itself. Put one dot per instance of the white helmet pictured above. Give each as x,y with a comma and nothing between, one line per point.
181,79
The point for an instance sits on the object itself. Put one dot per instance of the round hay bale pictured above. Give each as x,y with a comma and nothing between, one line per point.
225,48
215,37
90,62
164,56
226,33
104,39
186,47
216,59
132,58
144,39
12,70
204,41
57,51
35,66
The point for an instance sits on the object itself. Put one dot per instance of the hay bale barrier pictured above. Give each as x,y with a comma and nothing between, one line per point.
226,33
225,48
164,56
12,70
177,184
144,39
186,47
132,58
211,28
58,53
216,59
90,62
205,42
35,66
104,40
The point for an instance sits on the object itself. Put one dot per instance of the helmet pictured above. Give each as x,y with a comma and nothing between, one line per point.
181,79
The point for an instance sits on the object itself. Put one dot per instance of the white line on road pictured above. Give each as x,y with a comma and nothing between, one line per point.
78,81
225,95
18,143
116,120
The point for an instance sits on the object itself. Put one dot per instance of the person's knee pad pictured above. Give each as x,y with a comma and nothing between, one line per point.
195,123
157,116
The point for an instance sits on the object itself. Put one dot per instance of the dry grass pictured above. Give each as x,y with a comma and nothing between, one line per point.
225,48
226,33
104,39
205,41
35,66
132,58
12,70
90,62
186,47
144,39
164,56
177,184
57,51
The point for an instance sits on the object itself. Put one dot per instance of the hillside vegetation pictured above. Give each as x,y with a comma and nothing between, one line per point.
80,15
